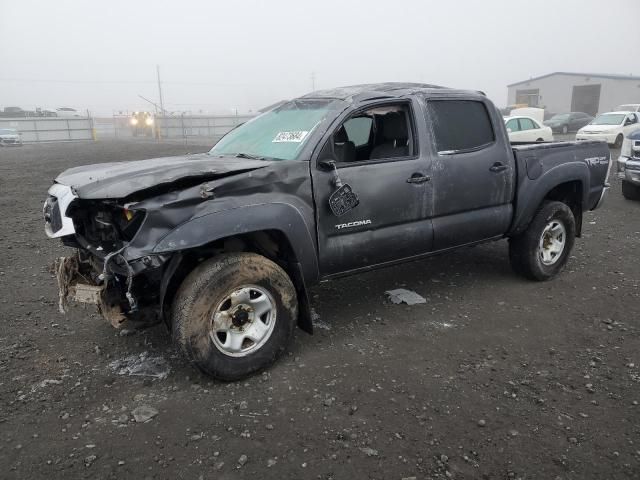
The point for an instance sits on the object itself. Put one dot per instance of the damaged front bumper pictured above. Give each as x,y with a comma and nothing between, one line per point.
75,283
118,298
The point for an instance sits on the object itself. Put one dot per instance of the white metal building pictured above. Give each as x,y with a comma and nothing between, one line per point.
561,92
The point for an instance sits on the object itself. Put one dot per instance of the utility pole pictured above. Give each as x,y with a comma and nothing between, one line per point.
313,81
160,90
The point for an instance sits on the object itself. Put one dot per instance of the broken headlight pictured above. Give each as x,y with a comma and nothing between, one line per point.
106,226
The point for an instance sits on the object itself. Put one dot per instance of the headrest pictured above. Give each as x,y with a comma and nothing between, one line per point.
394,126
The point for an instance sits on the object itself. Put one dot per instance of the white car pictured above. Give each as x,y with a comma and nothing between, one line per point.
628,107
68,112
527,129
611,127
10,138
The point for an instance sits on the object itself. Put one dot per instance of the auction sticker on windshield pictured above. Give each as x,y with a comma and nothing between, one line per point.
291,137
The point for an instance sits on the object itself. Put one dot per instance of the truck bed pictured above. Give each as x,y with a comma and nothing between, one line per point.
545,164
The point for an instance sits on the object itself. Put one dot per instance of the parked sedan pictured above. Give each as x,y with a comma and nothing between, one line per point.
611,127
527,129
629,107
568,122
10,137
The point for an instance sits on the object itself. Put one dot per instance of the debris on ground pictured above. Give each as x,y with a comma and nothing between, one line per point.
143,413
369,452
49,381
318,322
401,295
141,365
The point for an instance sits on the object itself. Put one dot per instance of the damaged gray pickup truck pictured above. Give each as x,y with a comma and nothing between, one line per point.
223,246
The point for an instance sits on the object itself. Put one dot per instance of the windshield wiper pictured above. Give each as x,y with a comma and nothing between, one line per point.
249,156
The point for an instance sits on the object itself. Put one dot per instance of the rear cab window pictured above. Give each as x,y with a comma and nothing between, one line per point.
460,125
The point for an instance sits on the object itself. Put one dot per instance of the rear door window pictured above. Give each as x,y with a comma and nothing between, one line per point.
460,125
526,124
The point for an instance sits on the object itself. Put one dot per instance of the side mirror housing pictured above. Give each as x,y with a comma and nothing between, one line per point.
327,165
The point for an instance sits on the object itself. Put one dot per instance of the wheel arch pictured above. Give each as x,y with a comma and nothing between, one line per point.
275,231
567,183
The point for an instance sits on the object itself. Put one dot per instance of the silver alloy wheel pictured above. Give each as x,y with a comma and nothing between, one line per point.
243,321
552,242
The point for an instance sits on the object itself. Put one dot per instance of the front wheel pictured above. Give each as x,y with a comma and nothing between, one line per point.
618,142
542,250
234,315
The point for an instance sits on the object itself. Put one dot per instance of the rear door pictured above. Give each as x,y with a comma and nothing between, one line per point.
473,172
392,218
574,122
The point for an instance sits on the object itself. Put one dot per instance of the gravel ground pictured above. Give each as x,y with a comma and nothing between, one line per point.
494,377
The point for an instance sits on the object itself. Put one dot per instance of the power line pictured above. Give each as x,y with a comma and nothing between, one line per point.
124,82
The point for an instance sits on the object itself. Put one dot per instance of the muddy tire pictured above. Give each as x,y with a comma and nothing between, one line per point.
542,250
234,315
630,191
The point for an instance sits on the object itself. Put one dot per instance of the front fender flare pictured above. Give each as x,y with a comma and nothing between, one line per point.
213,226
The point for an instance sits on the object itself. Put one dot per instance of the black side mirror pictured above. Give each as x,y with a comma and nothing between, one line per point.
327,165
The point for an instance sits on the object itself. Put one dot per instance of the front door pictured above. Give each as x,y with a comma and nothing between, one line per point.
378,155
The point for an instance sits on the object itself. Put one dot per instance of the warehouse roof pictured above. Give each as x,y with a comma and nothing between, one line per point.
577,74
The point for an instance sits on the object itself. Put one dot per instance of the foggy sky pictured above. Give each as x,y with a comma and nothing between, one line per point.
221,55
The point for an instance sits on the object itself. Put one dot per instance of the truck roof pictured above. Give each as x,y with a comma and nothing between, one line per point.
388,89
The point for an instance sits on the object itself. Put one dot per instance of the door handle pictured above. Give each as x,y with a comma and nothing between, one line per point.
498,167
418,178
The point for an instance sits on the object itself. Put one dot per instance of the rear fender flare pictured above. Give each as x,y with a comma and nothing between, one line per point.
532,193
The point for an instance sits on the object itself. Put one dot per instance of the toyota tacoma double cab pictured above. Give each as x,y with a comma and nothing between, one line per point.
224,245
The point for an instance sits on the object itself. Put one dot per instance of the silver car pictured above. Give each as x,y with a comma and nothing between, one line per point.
10,138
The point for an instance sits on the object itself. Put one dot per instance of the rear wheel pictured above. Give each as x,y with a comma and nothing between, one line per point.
542,250
540,140
618,142
234,315
630,191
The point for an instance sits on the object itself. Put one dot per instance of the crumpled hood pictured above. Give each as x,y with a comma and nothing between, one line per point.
120,179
